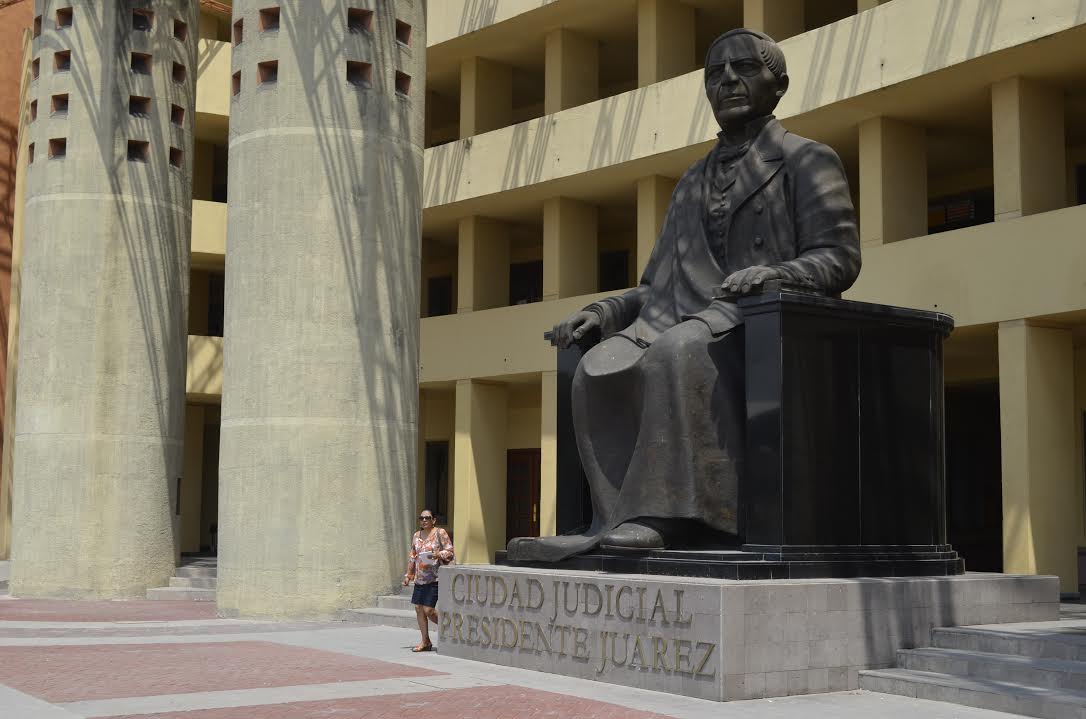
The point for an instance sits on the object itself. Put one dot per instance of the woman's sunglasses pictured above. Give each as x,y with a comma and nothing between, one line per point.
424,518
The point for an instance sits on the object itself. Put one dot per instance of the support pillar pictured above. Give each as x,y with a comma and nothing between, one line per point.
486,96
666,42
320,406
653,197
893,181
1037,423
479,467
570,242
780,19
548,454
1030,155
572,70
104,301
482,264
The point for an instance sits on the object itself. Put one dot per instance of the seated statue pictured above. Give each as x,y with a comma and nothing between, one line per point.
659,405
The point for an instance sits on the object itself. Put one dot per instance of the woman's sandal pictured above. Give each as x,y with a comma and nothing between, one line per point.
423,648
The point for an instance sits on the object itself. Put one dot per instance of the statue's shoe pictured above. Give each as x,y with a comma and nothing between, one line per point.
634,535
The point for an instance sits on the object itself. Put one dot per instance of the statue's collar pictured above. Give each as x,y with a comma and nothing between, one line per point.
750,133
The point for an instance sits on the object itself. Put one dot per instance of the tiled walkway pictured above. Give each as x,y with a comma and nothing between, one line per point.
174,660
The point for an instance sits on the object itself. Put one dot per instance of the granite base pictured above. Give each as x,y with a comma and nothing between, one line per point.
711,638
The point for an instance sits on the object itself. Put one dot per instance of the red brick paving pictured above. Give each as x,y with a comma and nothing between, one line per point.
75,673
502,702
139,610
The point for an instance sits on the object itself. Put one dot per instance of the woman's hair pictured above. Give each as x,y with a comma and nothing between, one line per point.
431,513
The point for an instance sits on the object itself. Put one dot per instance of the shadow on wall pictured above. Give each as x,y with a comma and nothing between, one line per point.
366,197
154,252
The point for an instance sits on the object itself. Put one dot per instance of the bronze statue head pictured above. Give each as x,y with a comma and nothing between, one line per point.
745,76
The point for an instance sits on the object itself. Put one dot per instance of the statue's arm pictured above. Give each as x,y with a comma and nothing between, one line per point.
827,241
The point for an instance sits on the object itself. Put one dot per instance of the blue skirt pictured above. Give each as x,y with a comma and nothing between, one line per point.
425,594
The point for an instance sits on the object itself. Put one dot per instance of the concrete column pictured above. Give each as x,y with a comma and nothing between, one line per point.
666,42
780,19
479,459
319,413
572,74
486,96
1037,422
482,264
104,301
1030,155
570,254
548,454
653,197
192,481
893,181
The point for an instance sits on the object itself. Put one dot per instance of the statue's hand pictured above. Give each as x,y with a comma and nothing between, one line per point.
574,328
750,279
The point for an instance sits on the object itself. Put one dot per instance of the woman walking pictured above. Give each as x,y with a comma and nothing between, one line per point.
430,548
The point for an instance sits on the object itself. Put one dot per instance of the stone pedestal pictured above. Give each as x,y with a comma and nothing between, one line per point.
320,386
716,639
105,277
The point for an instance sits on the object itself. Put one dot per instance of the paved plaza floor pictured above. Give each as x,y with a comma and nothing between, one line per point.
176,660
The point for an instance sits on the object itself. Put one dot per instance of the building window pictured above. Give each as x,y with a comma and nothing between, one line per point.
139,151
62,61
37,26
177,158
139,106
59,104
141,63
35,69
267,73
359,74
436,496
958,211
439,296
33,110
180,72
58,148
30,153
64,17
525,282
269,19
235,84
180,30
403,32
403,83
614,270
239,28
142,20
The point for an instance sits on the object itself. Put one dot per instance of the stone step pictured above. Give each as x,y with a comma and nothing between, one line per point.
981,693
196,570
397,601
375,617
1031,671
194,582
1041,641
190,593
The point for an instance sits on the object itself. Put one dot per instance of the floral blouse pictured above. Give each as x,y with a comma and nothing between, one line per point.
426,555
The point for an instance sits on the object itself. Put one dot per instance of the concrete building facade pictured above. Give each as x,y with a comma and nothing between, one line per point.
554,131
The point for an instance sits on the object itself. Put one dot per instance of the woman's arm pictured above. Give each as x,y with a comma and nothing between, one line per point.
446,552
412,560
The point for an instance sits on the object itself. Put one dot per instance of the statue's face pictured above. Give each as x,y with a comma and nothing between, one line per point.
739,85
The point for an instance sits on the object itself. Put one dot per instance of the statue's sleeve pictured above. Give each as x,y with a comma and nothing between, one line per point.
827,242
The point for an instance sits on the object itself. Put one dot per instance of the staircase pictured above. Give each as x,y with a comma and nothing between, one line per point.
1036,669
393,610
194,580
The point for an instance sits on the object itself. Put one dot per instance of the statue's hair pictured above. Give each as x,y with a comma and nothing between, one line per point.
767,48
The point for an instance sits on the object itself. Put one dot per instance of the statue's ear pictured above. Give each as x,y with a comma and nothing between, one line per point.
782,85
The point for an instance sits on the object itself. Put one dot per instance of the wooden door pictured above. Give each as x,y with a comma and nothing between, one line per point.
522,493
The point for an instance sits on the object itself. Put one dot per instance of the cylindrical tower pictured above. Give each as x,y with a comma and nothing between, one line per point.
104,297
319,415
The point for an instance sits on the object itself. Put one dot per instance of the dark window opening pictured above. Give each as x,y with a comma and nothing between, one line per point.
219,173
359,20
359,74
139,106
436,497
525,282
235,84
269,19
1080,184
180,72
180,30
403,83
267,73
614,270
58,147
439,296
65,15
177,115
141,63
62,61
33,110
30,153
35,69
59,104
964,210
239,27
139,151
37,26
177,158
142,20
216,304
403,32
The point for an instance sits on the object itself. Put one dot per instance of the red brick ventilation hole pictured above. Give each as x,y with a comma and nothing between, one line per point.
403,32
239,31
59,104
65,16
62,61
267,73
177,158
35,69
33,110
139,106
359,20
269,19
139,151
37,26
30,153
235,84
141,63
403,83
180,30
180,72
359,74
177,115
58,148
143,20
